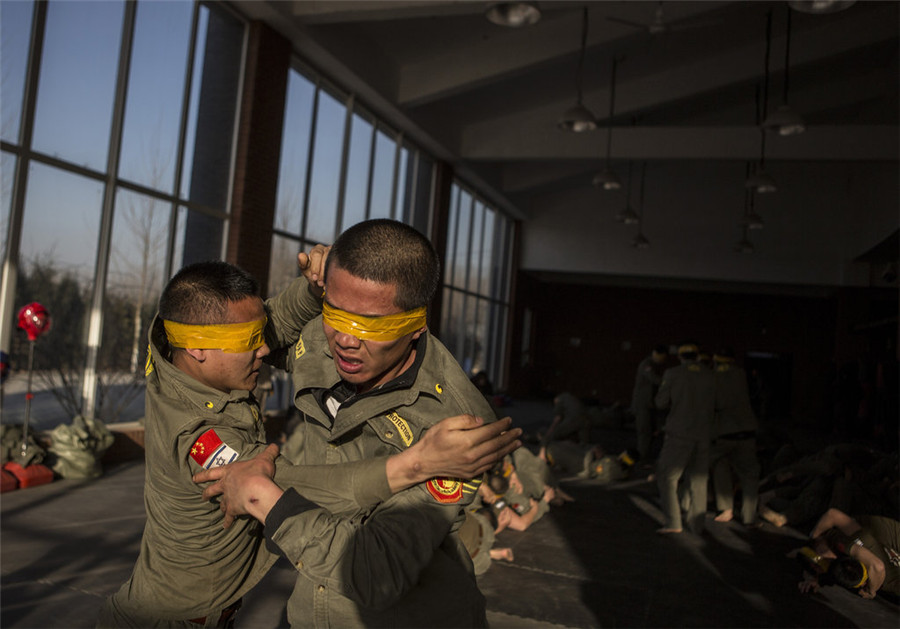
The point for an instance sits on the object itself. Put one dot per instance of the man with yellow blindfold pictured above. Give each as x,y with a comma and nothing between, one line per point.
369,380
866,548
206,348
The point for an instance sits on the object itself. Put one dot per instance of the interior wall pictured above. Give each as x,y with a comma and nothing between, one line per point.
823,216
589,339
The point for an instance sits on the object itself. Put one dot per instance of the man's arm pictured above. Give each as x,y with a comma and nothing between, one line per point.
299,303
456,447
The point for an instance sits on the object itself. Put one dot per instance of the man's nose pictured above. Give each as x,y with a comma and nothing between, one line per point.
346,340
263,351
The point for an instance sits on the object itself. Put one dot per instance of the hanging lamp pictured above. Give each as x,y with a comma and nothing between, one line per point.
607,178
513,14
785,120
640,241
627,215
760,181
577,118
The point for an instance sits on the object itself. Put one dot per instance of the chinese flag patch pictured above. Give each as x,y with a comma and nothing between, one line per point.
445,490
210,451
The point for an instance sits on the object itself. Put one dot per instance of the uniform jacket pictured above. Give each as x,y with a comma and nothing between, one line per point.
189,566
688,391
734,413
401,563
646,382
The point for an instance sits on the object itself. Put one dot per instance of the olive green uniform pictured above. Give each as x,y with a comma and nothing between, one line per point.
688,391
734,443
402,563
190,567
573,420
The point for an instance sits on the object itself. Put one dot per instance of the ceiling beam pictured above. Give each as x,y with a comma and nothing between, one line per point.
839,143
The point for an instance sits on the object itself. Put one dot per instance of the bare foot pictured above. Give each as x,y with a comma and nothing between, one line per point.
666,531
505,554
726,516
772,517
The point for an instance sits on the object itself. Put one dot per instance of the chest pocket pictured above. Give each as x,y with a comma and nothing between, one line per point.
392,428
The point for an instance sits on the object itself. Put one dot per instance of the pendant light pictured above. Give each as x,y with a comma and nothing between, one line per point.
627,215
640,241
577,118
607,178
513,14
744,245
785,120
760,181
820,7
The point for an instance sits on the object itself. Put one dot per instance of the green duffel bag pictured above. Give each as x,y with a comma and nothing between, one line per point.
75,449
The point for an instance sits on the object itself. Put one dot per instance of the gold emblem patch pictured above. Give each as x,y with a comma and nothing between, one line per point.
299,348
402,427
445,490
148,366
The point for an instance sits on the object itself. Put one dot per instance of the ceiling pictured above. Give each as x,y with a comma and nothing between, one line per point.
487,98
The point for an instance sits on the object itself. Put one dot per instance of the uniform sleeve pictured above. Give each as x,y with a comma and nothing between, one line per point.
207,447
289,311
376,559
355,485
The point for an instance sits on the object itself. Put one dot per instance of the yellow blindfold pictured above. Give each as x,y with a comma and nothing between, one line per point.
231,338
386,328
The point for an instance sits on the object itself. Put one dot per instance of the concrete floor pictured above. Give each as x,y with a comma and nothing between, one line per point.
596,562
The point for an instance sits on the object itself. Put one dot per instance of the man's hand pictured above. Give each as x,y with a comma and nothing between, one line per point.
245,487
457,447
312,265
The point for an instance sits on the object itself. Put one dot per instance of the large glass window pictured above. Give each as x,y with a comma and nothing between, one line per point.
383,176
15,27
77,83
326,169
178,116
156,86
476,294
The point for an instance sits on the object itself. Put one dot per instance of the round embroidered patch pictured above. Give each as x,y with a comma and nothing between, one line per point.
445,490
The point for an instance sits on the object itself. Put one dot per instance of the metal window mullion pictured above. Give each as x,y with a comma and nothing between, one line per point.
235,129
410,209
397,148
345,156
369,180
309,157
20,181
95,316
182,141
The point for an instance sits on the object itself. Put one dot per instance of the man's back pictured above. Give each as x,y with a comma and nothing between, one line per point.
689,392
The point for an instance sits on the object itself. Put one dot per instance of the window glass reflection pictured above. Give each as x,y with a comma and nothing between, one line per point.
404,182
487,253
15,31
463,240
357,187
294,153
283,264
155,93
77,82
476,247
452,228
329,139
383,176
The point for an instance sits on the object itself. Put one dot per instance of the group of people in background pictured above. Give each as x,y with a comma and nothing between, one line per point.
696,430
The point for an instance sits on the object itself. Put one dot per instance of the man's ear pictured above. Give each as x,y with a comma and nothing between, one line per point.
197,354
420,332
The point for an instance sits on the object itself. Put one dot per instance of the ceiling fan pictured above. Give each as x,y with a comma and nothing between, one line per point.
660,25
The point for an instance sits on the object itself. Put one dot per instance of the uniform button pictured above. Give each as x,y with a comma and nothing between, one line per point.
321,588
389,434
209,405
300,564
